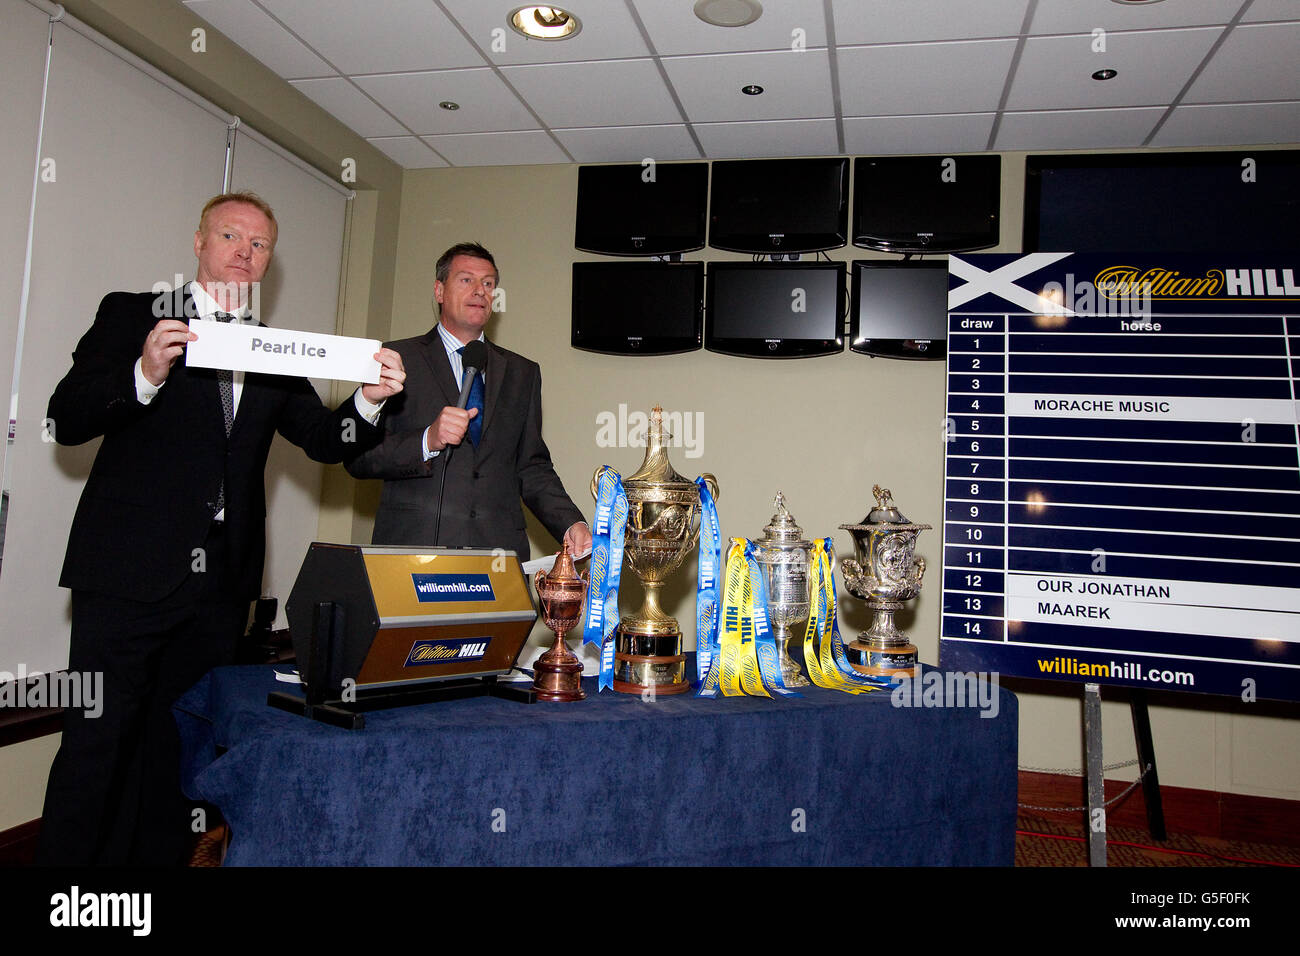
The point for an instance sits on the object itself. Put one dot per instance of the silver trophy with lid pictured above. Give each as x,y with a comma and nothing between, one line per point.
885,575
784,556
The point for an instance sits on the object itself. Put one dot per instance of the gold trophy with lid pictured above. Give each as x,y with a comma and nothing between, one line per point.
663,526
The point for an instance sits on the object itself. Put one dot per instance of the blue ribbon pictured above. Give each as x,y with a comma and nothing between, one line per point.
837,645
707,603
769,660
601,612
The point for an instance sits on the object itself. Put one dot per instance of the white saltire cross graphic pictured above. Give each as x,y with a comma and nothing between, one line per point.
1001,282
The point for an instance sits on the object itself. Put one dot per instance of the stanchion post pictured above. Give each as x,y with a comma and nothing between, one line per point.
1096,780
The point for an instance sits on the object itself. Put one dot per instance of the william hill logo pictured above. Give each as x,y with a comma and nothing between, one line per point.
452,587
440,652
1124,282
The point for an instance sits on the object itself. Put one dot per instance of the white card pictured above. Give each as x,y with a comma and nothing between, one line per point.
252,348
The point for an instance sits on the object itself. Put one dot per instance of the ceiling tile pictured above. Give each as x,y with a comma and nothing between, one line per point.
923,77
1077,129
1272,10
648,78
608,32
373,36
1153,66
936,133
256,33
486,104
521,148
350,106
628,144
888,21
1084,16
1246,124
407,151
1256,62
595,93
815,137
795,85
674,29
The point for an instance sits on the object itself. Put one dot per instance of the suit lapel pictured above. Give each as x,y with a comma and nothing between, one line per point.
435,356
494,378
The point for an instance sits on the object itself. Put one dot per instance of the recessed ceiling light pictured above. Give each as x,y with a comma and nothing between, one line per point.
1105,74
1135,3
544,23
728,13
752,90
449,105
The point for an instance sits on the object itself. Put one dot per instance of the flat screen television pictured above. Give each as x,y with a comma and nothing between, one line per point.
637,209
1218,201
920,204
900,309
775,309
638,308
769,206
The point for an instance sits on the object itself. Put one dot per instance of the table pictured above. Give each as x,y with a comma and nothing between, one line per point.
827,779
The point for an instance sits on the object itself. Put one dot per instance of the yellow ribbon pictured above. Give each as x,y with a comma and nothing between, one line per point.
821,662
737,664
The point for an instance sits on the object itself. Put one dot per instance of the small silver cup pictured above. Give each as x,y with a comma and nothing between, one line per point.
784,556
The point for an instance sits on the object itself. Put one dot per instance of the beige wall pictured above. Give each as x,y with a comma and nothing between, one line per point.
821,430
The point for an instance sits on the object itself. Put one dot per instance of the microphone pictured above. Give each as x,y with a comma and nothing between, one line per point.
473,360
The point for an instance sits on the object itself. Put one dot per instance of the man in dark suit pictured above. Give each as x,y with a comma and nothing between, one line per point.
492,459
166,547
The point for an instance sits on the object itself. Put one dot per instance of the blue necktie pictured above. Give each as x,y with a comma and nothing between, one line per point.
475,401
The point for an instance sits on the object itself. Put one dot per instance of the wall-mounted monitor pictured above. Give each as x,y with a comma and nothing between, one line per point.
638,308
1235,201
775,309
638,209
779,205
920,204
900,309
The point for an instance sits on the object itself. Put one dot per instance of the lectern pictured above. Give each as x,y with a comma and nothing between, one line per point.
376,627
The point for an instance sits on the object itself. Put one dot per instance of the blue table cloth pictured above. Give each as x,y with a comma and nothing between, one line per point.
827,779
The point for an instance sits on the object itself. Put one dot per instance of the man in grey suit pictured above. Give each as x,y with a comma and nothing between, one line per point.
487,460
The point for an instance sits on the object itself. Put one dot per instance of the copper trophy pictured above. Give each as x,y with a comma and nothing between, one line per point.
558,672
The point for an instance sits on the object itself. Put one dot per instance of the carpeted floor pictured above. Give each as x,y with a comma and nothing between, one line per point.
211,847
1064,842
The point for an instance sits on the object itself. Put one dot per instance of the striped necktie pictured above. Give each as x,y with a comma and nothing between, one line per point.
226,385
226,382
